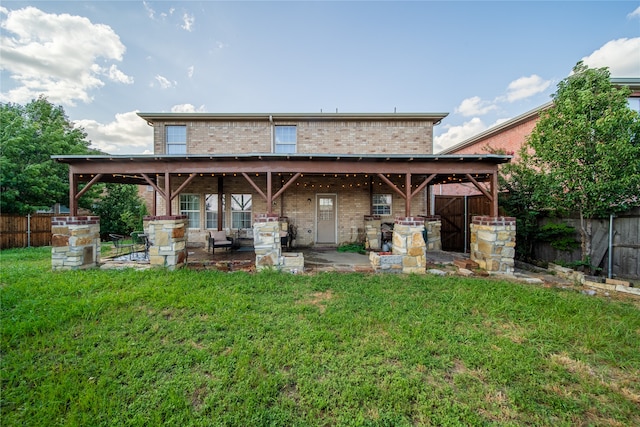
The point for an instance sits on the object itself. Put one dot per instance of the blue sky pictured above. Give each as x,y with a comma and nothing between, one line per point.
482,62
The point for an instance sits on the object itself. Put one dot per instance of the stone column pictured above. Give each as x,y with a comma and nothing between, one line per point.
433,225
75,242
493,242
266,241
168,237
408,241
372,232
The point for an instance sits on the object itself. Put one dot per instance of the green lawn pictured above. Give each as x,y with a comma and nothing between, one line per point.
209,348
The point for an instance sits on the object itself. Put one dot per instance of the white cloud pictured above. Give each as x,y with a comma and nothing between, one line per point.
457,134
42,54
190,71
525,87
118,76
634,14
164,82
475,106
187,108
127,134
150,12
187,22
621,56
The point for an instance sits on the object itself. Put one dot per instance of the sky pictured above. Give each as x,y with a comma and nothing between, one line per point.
482,62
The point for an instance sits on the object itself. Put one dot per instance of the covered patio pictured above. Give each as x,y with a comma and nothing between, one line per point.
273,176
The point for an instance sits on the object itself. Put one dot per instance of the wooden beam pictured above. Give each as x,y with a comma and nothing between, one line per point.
407,199
153,184
220,202
286,185
73,189
269,194
392,185
479,187
167,193
183,185
424,184
88,186
254,185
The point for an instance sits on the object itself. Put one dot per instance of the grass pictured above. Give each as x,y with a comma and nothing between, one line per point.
199,348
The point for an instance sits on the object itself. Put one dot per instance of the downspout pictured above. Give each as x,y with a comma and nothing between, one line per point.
273,149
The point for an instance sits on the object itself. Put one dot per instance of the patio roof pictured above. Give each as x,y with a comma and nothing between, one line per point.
418,170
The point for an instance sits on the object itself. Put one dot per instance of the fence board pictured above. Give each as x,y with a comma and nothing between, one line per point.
18,231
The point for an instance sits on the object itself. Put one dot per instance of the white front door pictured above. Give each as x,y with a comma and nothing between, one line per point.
326,218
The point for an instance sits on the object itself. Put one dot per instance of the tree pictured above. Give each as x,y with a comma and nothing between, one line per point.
29,135
588,144
121,209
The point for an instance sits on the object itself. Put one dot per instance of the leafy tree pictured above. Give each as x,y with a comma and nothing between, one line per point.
121,209
588,145
29,135
524,194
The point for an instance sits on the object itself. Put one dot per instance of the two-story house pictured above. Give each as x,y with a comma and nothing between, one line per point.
324,172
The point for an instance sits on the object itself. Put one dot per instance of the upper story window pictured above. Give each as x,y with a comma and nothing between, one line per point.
285,139
176,138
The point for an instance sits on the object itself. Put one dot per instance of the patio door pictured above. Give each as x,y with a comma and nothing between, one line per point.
326,218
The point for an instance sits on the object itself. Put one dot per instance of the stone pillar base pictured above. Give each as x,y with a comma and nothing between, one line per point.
266,241
372,232
408,241
168,237
493,242
433,225
75,242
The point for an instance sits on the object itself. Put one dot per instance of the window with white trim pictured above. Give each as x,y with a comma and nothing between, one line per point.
240,211
176,139
381,204
285,139
190,206
211,211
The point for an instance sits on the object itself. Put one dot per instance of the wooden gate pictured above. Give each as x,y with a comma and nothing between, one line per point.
456,213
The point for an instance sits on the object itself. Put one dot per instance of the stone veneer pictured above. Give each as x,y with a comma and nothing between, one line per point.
266,241
433,225
168,237
493,241
408,241
372,225
75,242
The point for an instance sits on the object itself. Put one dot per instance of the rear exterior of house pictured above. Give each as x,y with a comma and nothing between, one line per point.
320,208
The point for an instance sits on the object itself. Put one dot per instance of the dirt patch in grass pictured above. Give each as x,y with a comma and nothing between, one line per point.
318,299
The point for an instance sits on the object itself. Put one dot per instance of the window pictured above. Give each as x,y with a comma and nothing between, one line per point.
286,139
382,204
211,210
241,211
176,139
190,206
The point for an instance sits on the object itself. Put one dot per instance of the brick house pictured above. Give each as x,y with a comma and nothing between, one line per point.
331,178
510,136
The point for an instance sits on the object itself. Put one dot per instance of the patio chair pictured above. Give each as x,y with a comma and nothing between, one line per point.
219,239
122,248
141,243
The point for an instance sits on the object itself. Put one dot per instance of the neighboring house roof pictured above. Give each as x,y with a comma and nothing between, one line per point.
632,82
497,129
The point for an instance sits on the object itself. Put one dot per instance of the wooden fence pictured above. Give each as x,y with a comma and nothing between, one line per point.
625,250
18,231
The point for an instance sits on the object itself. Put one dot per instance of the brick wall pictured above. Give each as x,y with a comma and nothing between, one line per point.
327,136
